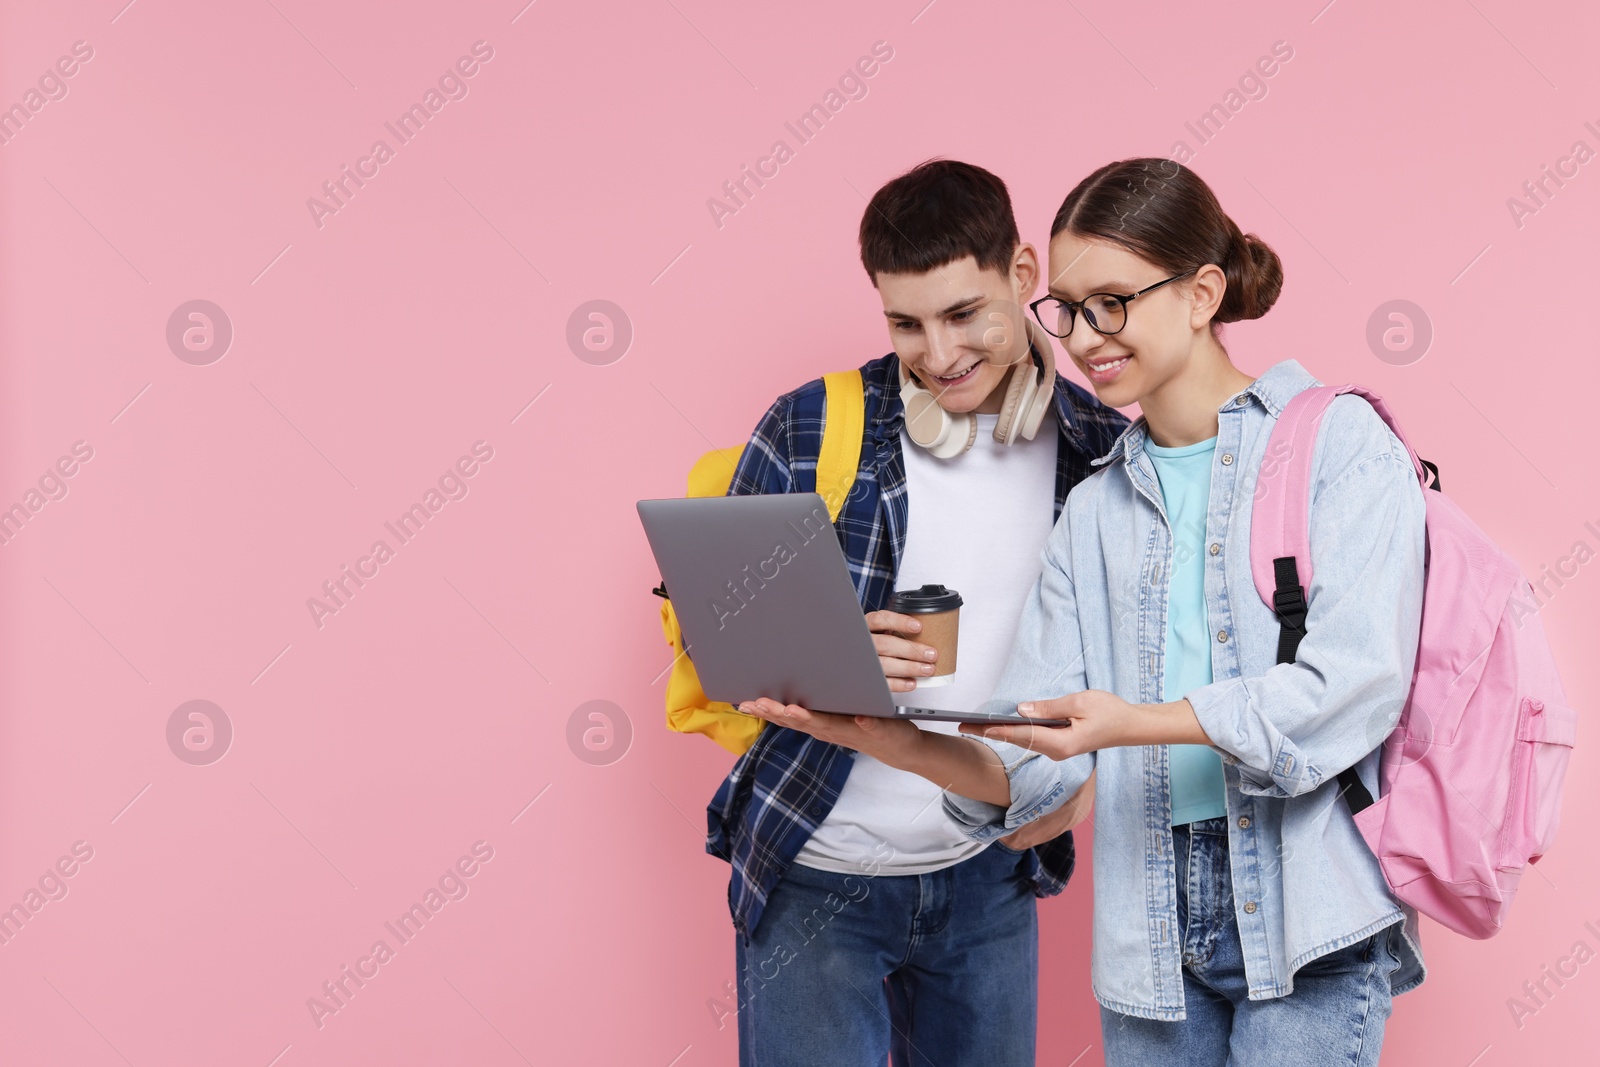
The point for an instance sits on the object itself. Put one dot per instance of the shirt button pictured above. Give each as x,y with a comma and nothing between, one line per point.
1227,458
1244,822
1250,908
1215,548
1222,635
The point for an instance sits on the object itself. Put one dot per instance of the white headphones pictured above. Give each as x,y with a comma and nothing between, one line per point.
947,434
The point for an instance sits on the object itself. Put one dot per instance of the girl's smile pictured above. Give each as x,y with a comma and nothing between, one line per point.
1103,370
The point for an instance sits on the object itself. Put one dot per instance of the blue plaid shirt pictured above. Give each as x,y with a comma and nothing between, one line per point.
785,785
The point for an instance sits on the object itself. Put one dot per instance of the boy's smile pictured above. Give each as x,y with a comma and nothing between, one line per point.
959,328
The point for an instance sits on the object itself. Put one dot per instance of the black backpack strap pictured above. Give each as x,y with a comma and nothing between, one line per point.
1289,604
1354,793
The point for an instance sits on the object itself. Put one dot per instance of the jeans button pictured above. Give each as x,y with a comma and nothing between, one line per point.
1215,548
1250,908
1227,459
1222,635
1244,822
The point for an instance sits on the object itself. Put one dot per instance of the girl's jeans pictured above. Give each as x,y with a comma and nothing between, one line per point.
1334,1018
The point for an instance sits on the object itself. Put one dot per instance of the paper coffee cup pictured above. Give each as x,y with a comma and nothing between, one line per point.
939,611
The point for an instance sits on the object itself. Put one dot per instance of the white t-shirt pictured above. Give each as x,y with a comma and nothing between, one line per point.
976,523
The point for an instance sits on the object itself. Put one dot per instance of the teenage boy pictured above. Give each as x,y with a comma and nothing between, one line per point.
867,922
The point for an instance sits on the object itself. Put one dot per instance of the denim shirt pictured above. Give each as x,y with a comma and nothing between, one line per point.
1305,882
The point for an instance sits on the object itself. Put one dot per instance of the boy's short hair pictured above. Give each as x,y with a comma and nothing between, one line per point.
937,213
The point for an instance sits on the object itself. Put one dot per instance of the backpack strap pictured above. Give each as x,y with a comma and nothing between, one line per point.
1280,538
1289,603
1280,518
844,421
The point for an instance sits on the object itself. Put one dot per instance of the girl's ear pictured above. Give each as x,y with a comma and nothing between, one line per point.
1207,288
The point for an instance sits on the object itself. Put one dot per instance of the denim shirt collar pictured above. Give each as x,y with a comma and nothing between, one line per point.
1272,390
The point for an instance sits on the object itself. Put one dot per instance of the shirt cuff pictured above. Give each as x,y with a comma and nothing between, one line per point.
1036,791
1222,709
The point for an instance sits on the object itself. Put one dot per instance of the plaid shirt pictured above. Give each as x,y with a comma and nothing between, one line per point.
785,785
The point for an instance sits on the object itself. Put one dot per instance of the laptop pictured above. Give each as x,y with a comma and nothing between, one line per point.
764,597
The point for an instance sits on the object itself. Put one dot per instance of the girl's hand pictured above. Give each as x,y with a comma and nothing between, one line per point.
891,740
1094,719
1077,723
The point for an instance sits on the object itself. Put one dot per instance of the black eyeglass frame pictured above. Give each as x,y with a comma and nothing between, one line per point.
1076,306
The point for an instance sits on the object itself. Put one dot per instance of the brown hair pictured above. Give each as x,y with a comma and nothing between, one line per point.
1162,211
936,213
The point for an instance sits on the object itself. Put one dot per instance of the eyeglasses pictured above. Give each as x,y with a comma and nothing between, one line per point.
1106,313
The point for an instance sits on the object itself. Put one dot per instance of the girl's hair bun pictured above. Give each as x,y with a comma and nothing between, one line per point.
1255,278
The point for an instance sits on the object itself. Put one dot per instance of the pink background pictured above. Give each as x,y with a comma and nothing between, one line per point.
368,354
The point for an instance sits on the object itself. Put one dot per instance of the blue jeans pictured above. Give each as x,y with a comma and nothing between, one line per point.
938,968
1334,1018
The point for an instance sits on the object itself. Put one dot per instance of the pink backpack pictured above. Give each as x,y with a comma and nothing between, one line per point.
1470,780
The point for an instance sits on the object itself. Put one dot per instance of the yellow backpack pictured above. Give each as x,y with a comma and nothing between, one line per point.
688,710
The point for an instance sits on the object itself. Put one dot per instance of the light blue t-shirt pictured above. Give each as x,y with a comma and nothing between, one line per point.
1198,791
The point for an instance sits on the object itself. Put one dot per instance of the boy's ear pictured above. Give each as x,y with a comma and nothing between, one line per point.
1025,272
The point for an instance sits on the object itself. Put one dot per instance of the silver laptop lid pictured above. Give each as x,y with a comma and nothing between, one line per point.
726,560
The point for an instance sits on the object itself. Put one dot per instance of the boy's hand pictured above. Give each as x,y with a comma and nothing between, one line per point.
890,740
903,661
